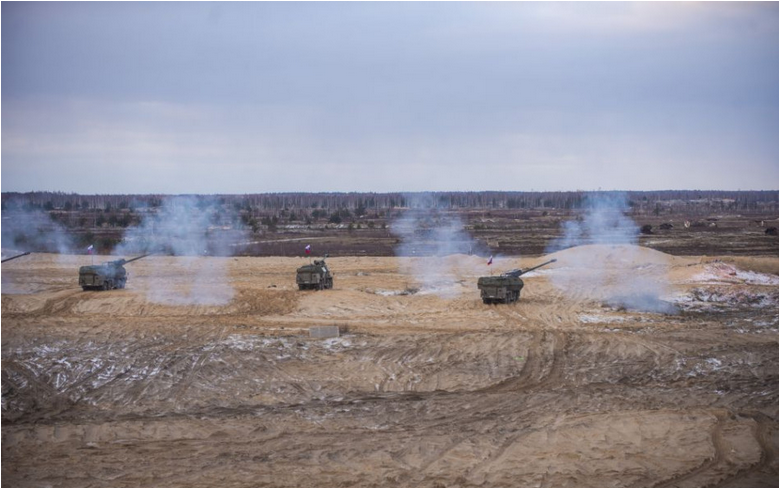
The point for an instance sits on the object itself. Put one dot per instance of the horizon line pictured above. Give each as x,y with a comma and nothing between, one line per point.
380,192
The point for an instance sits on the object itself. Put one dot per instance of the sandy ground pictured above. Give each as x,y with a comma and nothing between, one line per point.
570,386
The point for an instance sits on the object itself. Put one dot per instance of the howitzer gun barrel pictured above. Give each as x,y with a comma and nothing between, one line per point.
15,257
538,266
137,258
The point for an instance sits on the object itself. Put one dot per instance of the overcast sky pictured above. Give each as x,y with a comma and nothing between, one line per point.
273,97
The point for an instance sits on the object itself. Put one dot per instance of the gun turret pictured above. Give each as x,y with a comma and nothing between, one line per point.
15,257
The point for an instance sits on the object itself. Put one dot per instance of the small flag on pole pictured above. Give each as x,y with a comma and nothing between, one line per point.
307,250
489,262
90,249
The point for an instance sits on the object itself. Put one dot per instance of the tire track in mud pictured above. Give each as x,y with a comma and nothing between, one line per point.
43,397
719,458
438,456
48,400
75,303
30,377
191,374
168,363
59,303
128,363
64,400
542,370
763,434
294,382
129,353
546,358
494,456
769,453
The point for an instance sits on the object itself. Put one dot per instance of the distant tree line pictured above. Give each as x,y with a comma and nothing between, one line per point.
329,205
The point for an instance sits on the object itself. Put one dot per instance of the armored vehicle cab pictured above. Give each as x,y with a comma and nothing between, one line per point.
314,276
506,287
109,275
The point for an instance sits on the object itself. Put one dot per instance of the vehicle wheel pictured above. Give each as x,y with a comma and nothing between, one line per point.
486,301
301,287
85,288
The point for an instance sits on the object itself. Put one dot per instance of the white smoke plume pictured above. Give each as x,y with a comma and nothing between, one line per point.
625,274
31,231
428,236
188,228
34,231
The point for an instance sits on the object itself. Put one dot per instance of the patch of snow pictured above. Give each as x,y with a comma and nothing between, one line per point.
699,368
599,319
336,343
725,273
758,278
243,342
705,299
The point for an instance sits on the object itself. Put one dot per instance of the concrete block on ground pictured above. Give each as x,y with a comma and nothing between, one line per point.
324,332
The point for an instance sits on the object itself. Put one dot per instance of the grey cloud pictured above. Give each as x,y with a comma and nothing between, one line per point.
268,90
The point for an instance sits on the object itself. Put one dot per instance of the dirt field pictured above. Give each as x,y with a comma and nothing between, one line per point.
426,386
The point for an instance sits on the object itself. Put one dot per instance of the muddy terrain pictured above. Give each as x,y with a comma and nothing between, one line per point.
619,366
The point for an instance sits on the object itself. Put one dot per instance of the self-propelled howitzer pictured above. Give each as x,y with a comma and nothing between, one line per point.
314,276
109,275
506,287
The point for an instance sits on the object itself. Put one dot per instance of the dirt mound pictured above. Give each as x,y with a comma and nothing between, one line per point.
613,257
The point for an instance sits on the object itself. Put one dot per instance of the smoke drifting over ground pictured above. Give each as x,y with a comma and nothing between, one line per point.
34,231
426,231
187,227
604,222
31,231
